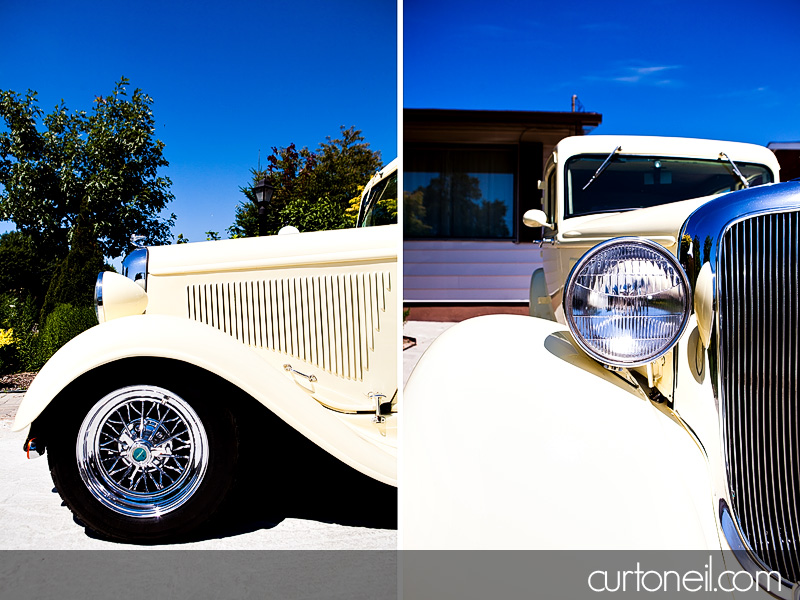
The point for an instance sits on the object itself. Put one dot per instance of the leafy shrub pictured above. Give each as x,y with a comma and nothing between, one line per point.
60,326
18,321
6,337
8,351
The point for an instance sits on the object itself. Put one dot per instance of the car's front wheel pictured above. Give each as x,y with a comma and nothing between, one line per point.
144,462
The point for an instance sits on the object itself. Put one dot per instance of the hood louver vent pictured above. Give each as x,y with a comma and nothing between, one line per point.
327,321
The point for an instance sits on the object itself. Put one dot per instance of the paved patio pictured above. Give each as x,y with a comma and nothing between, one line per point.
9,402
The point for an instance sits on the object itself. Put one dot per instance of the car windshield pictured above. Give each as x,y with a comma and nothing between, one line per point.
380,205
630,182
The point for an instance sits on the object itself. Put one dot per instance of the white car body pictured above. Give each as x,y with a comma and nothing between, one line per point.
304,324
515,438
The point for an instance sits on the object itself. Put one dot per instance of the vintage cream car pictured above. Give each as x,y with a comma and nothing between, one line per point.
657,407
147,418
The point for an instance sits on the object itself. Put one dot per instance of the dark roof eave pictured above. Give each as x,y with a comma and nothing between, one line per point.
413,116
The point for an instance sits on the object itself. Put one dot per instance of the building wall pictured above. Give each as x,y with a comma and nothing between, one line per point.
468,271
480,275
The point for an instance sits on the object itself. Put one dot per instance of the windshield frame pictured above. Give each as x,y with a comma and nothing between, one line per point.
580,207
370,200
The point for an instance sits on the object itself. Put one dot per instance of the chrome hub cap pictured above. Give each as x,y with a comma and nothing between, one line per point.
142,451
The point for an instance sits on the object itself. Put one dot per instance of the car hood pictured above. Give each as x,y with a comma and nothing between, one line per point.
660,223
276,251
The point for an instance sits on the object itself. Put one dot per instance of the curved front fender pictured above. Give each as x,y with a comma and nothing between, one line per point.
209,349
513,438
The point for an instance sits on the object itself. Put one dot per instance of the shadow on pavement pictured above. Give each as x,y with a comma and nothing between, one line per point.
300,480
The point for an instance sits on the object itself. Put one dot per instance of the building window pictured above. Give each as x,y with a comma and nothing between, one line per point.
459,193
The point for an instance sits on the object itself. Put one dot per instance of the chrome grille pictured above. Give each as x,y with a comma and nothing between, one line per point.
329,321
759,341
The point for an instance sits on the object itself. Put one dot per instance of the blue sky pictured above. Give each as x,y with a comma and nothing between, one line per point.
724,70
228,79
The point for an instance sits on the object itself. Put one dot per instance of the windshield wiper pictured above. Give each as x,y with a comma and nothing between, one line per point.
602,167
736,170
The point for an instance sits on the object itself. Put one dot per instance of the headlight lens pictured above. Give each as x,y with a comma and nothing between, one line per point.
627,302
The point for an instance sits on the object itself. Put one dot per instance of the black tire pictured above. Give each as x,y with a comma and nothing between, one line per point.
144,463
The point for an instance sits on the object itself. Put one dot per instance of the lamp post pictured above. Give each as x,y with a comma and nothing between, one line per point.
263,192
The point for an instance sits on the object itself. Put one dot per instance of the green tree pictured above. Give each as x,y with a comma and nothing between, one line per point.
344,165
100,169
313,190
74,280
290,172
23,272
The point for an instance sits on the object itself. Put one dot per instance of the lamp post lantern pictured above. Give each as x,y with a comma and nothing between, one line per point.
263,192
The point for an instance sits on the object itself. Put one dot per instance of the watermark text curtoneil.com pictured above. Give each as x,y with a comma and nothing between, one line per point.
640,580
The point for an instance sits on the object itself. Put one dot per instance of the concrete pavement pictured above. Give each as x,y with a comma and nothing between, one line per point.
9,402
424,332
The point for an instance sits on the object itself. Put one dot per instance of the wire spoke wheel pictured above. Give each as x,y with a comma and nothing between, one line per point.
142,451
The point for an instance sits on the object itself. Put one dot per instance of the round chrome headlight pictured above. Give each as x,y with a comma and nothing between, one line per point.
627,302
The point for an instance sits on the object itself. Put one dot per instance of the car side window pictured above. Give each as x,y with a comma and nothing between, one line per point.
380,207
550,198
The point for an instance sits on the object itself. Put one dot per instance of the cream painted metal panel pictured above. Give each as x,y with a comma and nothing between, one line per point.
191,342
348,300
579,459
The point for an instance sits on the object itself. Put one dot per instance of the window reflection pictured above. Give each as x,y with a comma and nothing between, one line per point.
454,193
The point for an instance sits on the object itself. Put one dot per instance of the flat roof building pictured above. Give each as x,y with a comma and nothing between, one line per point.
468,177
